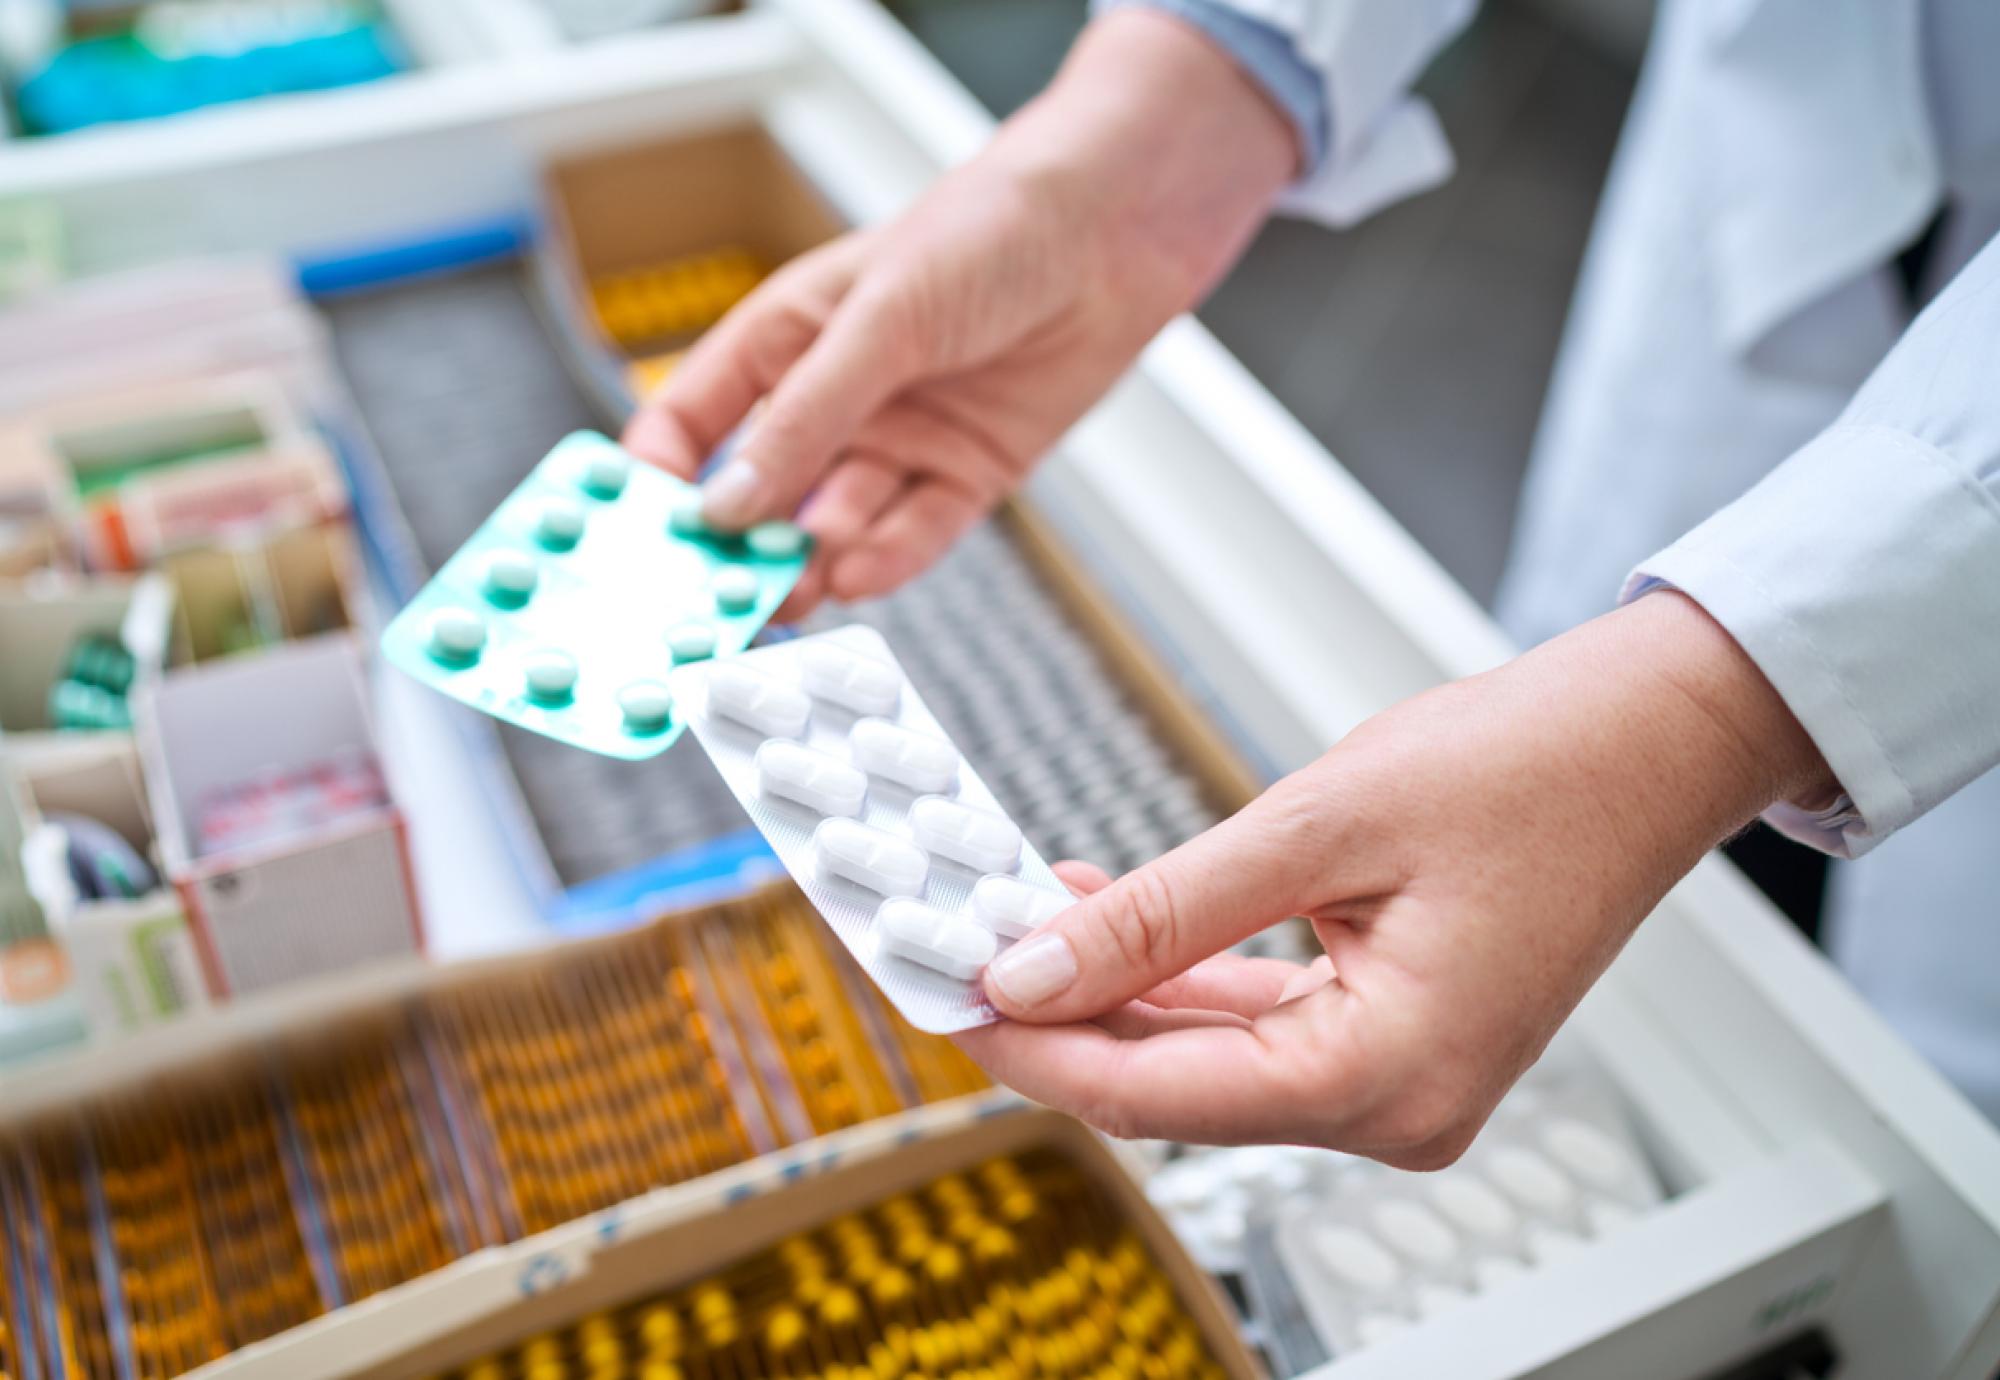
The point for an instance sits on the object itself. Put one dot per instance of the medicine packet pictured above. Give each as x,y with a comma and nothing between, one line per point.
569,607
1557,1169
890,834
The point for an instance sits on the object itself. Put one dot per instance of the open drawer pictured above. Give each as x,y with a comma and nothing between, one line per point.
1824,1175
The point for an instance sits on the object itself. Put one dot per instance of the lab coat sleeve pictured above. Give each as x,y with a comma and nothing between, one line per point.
1369,142
1863,575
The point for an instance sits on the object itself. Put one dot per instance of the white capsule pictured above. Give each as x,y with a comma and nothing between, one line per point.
1547,1244
865,684
904,756
924,934
1472,1206
1490,1272
1011,907
1415,1232
817,780
1606,1217
1371,1328
761,701
1530,1180
1588,1153
1433,1299
870,857
1355,1258
980,839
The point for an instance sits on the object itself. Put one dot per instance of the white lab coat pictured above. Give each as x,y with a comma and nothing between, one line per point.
1735,300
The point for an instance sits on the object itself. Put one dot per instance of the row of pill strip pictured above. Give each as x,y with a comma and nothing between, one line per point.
1017,1269
259,1198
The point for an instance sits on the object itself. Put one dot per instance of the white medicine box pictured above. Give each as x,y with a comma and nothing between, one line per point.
275,821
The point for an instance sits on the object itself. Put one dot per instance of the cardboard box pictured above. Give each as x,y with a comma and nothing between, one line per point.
41,620
132,960
668,1238
114,449
300,901
278,587
638,207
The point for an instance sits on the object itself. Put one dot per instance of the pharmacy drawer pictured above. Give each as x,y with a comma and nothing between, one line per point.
1816,1162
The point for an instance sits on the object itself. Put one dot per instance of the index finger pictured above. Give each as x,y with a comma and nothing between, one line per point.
1209,1084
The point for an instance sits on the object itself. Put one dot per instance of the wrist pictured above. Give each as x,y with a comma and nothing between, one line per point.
1167,153
1749,748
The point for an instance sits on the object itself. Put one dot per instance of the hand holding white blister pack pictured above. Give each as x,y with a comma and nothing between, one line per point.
894,839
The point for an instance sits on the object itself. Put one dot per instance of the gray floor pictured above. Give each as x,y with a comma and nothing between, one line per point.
1417,345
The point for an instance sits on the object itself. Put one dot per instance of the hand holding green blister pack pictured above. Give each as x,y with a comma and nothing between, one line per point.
567,609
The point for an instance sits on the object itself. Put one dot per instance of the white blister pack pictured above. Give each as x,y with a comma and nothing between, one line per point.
888,831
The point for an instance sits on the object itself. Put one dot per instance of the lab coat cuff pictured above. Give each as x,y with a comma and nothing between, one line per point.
1266,54
1373,144
1862,576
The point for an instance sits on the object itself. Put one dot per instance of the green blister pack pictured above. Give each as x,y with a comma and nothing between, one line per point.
567,609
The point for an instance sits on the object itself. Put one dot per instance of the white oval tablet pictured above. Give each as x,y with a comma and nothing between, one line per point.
1530,1180
1415,1232
1011,907
817,780
980,839
904,756
1472,1206
924,934
760,701
865,684
1588,1153
870,857
1355,1258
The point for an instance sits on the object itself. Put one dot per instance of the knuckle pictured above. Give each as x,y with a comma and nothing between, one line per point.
1147,930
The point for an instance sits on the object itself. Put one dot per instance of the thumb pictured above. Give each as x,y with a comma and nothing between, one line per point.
1244,875
861,358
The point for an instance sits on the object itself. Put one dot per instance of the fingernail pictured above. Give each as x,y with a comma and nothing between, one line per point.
729,497
1038,968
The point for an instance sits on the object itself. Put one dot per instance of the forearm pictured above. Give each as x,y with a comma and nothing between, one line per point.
1168,153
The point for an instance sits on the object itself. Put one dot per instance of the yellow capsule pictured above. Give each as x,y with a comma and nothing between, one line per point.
944,1265
540,1350
785,1330
711,1302
485,1370
840,1307
603,1353
546,1370
660,1370
889,1287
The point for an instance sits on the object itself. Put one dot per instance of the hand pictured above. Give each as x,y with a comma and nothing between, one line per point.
1471,860
916,372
